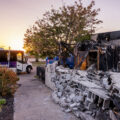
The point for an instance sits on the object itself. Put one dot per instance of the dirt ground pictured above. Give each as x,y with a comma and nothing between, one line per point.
33,101
7,109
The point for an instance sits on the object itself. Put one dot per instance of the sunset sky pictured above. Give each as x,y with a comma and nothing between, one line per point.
18,15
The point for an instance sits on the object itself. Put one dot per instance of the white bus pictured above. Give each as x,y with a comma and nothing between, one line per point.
15,60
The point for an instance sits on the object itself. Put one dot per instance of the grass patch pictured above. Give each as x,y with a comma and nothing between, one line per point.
40,63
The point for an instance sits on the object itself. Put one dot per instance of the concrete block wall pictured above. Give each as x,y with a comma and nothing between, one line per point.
49,74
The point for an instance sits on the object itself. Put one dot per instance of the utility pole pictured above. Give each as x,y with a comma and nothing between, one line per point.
9,57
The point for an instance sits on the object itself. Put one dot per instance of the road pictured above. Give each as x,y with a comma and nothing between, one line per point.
33,101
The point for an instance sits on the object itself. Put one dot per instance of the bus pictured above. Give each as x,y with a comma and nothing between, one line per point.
15,60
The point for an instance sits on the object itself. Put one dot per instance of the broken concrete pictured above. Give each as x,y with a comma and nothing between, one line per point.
84,91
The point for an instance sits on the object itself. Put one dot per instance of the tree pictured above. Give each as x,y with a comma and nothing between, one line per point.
31,43
70,24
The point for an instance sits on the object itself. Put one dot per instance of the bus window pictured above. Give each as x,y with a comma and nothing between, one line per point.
24,59
13,56
19,57
3,56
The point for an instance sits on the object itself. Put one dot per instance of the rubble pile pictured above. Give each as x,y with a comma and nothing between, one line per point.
90,94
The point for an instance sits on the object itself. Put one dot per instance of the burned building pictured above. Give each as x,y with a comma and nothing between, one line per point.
91,91
103,51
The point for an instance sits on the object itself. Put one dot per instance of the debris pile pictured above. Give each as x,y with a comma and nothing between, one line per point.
90,95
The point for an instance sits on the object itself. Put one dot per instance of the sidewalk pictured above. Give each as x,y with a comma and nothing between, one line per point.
33,102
